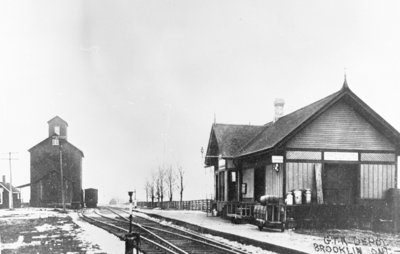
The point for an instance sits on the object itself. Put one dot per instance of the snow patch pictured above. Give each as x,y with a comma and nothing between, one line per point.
29,213
17,244
45,227
93,236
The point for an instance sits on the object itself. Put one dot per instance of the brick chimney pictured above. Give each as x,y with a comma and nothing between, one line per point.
4,179
278,103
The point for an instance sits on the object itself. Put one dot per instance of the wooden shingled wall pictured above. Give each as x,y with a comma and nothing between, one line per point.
340,127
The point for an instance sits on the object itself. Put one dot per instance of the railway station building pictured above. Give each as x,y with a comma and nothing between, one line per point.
337,148
52,159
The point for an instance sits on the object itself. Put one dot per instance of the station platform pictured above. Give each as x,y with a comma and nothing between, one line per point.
344,241
248,234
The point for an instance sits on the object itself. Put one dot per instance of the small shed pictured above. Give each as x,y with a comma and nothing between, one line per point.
5,195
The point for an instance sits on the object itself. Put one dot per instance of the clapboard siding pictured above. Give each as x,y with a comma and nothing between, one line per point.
299,176
340,127
375,180
273,181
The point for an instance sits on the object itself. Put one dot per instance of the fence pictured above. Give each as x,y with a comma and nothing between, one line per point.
199,205
238,210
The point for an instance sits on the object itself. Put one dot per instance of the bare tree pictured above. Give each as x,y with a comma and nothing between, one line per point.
160,183
159,179
147,189
171,180
158,191
181,186
153,188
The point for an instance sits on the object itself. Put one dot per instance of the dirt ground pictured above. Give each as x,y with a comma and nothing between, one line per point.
53,232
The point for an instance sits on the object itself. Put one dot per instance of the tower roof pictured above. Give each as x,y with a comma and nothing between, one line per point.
57,119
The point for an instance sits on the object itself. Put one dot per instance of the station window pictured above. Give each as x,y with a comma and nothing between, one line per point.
233,176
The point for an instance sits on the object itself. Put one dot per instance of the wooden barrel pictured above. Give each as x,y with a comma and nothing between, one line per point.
269,199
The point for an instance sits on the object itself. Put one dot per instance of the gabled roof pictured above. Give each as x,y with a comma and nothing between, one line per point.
227,139
271,135
232,142
231,138
6,186
57,119
64,141
288,125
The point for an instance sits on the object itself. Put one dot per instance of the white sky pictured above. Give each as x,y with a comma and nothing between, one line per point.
139,81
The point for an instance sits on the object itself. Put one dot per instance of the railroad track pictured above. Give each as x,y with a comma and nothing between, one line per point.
156,237
147,246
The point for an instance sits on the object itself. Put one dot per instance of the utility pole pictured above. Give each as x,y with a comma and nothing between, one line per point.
62,180
135,201
10,193
57,142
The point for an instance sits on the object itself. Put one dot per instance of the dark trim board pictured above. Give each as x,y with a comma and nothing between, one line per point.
340,150
284,180
395,172
348,162
338,161
302,161
378,162
341,162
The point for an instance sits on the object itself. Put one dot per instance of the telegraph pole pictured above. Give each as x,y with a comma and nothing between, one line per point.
57,142
10,193
62,180
135,201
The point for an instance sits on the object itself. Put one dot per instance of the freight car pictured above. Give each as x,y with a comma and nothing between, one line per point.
91,197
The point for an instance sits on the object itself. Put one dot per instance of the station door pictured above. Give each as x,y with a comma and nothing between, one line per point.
340,183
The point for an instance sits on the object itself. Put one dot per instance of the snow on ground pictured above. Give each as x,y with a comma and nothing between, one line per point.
367,242
249,248
107,242
37,230
29,213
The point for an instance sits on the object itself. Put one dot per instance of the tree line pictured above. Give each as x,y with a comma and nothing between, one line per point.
165,181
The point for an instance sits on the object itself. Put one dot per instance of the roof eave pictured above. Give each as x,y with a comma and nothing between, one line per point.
255,153
394,133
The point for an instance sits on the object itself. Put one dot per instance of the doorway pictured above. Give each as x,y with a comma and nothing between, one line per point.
340,183
233,183
259,183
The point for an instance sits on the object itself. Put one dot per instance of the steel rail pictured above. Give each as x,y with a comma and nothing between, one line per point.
124,230
200,239
223,245
168,243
